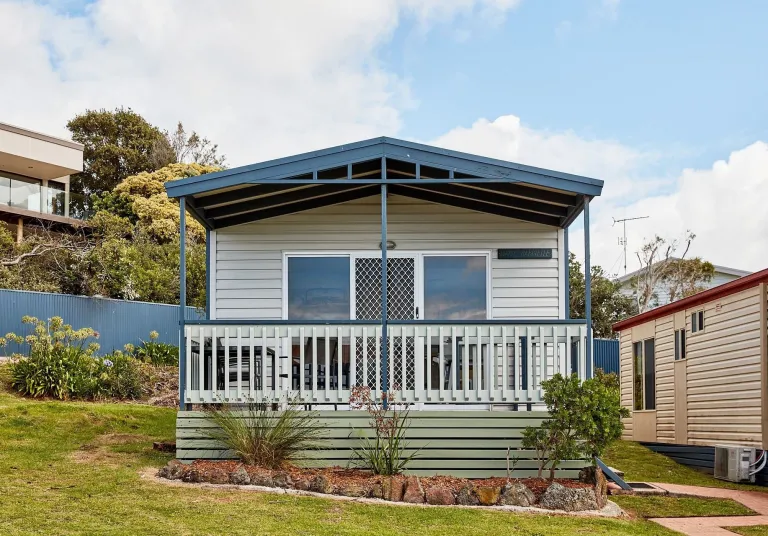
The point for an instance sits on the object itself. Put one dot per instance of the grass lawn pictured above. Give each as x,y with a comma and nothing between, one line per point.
71,468
758,530
642,465
680,506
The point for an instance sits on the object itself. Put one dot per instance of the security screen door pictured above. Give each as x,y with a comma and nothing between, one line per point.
401,305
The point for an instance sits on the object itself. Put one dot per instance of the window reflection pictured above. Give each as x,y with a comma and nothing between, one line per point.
455,288
318,288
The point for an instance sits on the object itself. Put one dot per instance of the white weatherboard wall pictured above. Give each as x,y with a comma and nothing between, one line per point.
248,258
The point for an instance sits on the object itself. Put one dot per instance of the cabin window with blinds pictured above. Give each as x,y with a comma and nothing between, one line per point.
644,374
318,288
697,321
679,344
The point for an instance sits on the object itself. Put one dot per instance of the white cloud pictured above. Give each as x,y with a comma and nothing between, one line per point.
724,205
261,79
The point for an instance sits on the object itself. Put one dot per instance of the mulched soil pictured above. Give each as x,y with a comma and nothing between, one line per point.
340,477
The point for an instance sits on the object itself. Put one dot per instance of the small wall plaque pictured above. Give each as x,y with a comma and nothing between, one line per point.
525,253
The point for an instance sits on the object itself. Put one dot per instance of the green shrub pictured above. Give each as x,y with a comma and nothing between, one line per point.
584,419
262,436
155,353
61,363
385,453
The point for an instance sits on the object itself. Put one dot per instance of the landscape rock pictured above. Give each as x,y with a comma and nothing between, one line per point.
377,491
558,497
216,476
320,484
261,478
516,494
240,476
594,475
302,484
173,470
282,480
192,475
488,495
467,497
393,489
440,495
353,489
414,493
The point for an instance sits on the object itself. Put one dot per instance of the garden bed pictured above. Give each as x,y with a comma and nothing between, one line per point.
559,494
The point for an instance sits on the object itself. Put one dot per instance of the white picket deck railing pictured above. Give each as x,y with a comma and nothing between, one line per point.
441,363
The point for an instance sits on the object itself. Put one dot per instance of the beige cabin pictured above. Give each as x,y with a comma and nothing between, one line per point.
693,372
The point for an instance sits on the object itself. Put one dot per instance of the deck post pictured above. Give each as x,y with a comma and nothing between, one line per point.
587,287
384,337
567,268
182,299
384,314
207,274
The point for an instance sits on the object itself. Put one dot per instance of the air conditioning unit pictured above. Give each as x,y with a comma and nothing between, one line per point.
734,463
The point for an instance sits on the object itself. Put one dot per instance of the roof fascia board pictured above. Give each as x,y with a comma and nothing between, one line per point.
481,167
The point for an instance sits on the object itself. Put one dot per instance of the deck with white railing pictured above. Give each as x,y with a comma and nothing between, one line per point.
489,362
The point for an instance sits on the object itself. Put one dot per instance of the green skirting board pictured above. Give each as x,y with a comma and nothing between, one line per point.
471,444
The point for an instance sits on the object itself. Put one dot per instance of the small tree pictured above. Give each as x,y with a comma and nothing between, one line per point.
584,418
603,425
557,438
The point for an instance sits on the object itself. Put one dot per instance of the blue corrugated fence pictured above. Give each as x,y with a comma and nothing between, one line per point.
118,322
606,354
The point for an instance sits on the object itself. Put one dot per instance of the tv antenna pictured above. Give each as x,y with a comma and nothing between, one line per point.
623,240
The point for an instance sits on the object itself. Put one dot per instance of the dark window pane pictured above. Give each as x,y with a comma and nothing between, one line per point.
318,288
649,371
682,344
455,288
637,374
54,203
677,345
701,320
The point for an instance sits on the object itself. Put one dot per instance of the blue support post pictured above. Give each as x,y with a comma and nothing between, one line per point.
587,287
182,299
384,337
207,274
567,268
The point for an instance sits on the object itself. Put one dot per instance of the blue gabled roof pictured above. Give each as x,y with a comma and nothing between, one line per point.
350,171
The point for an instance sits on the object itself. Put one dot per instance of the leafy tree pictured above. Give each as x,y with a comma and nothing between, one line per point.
180,147
584,419
660,269
118,144
609,305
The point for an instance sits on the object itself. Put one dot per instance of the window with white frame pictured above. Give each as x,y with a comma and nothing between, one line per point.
318,288
444,286
455,287
679,344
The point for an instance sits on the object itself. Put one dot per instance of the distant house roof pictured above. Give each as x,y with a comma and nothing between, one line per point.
718,269
726,289
357,170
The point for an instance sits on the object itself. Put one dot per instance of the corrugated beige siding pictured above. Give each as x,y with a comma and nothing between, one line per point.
625,358
665,379
249,257
723,376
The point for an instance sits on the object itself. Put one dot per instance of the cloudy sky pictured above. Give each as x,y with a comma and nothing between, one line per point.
664,101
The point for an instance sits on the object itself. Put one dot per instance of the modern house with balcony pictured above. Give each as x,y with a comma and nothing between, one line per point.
436,276
34,179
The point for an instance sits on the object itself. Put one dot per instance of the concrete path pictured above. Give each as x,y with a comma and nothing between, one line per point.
713,526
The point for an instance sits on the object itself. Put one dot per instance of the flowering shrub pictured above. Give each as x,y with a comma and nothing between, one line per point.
155,353
62,363
385,454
